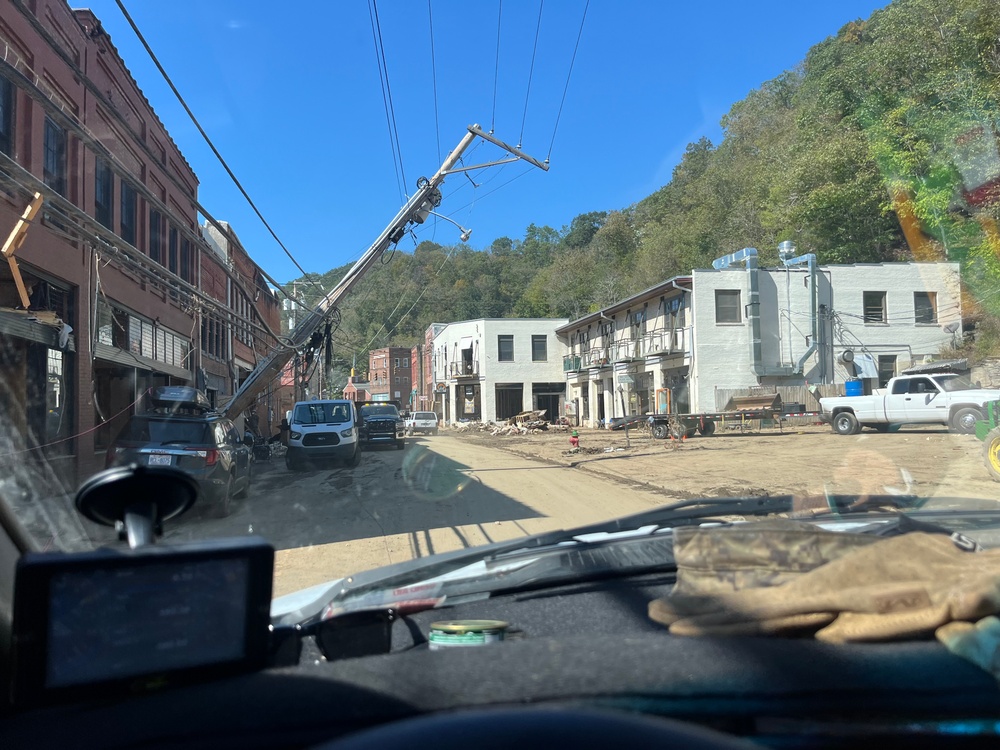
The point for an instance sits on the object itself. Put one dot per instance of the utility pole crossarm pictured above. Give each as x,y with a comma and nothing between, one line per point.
415,211
476,130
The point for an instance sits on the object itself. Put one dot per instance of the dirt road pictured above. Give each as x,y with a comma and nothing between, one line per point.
466,488
801,460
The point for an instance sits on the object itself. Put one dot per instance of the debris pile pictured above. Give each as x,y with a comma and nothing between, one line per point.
508,428
530,420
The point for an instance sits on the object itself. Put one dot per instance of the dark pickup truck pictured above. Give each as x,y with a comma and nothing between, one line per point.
381,423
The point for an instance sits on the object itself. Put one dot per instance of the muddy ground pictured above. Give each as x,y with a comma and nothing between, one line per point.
804,459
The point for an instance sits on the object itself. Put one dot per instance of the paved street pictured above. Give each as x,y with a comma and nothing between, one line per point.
398,505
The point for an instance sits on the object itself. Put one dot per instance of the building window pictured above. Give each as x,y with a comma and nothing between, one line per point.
539,348
104,193
925,307
727,306
505,348
874,307
186,260
128,232
172,251
54,167
6,116
886,369
155,236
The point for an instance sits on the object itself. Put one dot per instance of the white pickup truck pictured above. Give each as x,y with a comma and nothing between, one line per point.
422,421
945,398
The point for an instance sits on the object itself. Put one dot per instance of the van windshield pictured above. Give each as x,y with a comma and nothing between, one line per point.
322,413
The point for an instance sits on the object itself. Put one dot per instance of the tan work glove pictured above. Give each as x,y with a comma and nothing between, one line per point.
889,588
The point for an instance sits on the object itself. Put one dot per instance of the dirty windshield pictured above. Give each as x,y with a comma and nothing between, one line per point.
379,411
625,255
322,413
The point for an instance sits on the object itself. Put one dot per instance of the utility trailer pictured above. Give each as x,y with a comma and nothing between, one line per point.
743,412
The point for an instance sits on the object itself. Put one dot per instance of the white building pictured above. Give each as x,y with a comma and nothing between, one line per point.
685,345
632,357
493,368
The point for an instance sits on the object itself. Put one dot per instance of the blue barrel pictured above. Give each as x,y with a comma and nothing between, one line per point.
853,387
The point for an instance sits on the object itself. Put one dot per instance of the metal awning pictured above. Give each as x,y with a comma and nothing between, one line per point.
37,327
128,359
865,366
947,365
465,342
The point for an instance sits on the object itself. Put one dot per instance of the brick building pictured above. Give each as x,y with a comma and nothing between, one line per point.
114,280
390,376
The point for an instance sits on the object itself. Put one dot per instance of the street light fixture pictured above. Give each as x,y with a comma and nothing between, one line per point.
466,233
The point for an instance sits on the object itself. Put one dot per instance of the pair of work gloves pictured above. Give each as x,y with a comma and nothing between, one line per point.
783,577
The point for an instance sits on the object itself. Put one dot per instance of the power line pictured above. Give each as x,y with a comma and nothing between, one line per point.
390,111
568,75
496,69
531,71
437,129
204,135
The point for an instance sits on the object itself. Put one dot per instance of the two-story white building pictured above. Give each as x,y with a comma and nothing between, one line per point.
494,368
633,357
687,344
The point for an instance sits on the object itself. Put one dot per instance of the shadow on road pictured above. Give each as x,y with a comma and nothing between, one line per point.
390,493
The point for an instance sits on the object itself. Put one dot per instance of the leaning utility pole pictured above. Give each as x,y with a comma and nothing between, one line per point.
415,211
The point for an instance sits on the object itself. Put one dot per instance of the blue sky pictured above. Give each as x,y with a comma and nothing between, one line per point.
290,95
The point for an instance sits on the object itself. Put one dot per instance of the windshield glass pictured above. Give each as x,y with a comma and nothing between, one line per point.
379,411
153,430
955,382
322,413
618,266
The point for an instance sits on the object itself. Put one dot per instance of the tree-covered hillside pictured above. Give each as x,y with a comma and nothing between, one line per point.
880,146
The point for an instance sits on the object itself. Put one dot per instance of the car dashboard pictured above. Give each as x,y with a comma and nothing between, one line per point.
586,647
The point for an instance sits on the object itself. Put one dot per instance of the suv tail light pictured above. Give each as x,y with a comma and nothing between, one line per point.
211,456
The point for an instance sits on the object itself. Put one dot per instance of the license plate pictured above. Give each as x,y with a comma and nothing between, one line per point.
159,460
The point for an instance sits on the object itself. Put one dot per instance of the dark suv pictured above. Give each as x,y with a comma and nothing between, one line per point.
381,423
180,430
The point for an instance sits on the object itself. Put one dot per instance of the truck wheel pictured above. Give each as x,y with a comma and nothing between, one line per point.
964,420
707,429
845,423
660,431
355,459
991,453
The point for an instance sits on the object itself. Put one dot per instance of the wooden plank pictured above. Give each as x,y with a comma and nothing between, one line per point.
14,242
19,282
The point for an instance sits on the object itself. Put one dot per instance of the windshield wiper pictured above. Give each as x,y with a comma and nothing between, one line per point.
420,579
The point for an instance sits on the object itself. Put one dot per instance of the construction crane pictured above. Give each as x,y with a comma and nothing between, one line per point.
415,211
